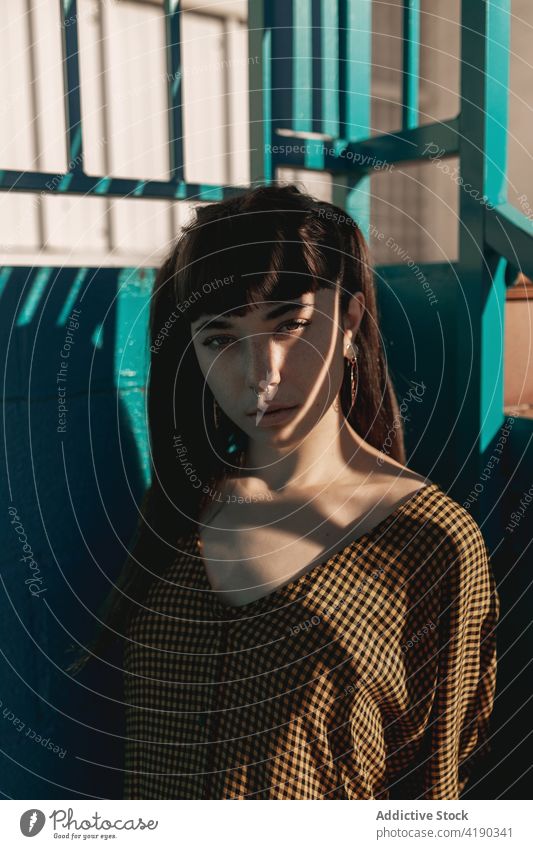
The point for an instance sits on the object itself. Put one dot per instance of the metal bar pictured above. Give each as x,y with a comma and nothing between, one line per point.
71,82
302,89
480,349
497,100
411,63
316,66
260,91
36,124
282,66
355,43
336,156
174,77
329,32
86,184
105,100
351,189
473,277
227,160
339,156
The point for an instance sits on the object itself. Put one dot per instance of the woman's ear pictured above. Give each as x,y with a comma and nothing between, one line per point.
354,314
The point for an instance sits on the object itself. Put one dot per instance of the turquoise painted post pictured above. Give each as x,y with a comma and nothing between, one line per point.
411,63
302,52
495,190
481,296
329,46
352,191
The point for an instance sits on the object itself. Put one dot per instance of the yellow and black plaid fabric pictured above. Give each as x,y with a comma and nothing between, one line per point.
370,677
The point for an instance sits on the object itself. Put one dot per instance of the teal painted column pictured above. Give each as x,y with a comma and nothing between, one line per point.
352,191
411,63
481,296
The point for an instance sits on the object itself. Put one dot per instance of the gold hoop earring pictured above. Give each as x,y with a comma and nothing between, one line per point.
353,384
353,387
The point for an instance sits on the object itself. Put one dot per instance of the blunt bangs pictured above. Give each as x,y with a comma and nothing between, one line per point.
232,262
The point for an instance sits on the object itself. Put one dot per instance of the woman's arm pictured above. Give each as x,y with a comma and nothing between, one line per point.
457,732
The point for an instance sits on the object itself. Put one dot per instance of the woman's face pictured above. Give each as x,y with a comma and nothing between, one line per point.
292,350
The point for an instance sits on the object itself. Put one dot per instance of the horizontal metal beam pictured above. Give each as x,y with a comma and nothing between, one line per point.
84,184
296,150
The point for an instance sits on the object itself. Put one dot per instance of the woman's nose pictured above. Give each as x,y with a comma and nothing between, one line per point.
262,366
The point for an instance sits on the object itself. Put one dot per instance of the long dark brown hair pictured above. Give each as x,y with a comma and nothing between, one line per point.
269,243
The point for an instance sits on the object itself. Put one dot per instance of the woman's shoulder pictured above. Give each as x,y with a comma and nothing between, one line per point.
442,529
432,504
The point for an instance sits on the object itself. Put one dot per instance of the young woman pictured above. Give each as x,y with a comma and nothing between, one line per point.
303,616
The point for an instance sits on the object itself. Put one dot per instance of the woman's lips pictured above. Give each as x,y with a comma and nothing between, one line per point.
278,416
270,408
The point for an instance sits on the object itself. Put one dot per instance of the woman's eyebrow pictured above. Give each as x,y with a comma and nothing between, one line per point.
224,324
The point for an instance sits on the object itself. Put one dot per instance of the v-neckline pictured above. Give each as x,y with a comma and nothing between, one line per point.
288,588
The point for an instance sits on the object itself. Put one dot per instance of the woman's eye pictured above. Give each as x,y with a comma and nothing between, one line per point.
209,342
294,325
297,323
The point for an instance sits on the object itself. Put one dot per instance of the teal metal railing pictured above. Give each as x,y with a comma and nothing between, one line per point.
494,237
314,77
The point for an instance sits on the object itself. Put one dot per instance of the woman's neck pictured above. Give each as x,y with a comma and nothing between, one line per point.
326,455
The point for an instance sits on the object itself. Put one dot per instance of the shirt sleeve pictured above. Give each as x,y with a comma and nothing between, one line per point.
457,733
